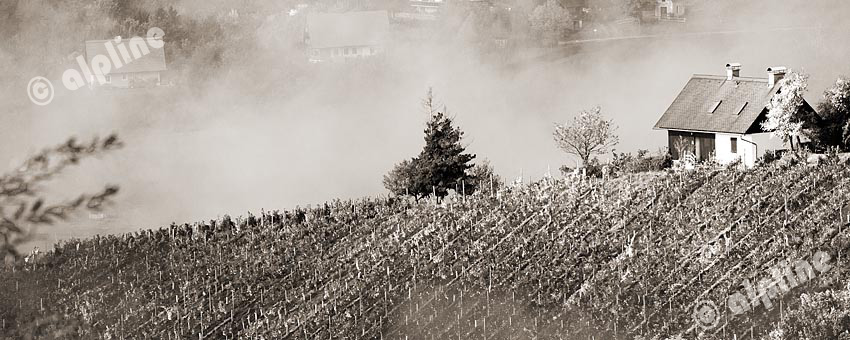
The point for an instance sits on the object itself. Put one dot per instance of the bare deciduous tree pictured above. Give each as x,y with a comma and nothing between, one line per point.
588,134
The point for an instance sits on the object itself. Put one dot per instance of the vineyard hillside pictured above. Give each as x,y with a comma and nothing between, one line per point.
624,258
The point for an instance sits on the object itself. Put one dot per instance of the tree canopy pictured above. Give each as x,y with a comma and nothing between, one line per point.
549,20
785,117
834,111
632,8
587,135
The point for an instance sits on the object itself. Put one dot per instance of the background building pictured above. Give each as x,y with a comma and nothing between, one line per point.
142,71
345,36
718,117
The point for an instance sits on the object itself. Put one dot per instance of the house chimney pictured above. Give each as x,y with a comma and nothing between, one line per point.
775,74
733,70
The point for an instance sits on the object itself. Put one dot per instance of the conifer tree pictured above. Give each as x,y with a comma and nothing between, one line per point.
441,165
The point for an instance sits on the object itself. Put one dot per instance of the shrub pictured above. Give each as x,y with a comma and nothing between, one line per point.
482,178
566,171
769,157
641,162
791,159
734,164
833,155
594,168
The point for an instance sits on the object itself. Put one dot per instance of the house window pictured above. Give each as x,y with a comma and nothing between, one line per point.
124,77
734,145
108,78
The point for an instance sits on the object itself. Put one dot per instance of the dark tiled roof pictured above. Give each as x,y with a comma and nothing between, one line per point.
740,104
369,28
152,62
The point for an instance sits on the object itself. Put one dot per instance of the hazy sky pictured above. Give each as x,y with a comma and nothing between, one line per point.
221,148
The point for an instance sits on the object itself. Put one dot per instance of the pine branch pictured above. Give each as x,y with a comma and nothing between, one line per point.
20,204
47,163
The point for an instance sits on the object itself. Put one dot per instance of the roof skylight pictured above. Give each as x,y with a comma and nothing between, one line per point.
715,106
742,107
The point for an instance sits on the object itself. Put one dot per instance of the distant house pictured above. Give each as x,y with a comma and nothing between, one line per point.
428,7
577,10
142,71
342,37
420,10
501,33
670,9
719,116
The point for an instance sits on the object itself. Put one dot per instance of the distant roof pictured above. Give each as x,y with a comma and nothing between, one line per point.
152,62
714,104
574,3
347,29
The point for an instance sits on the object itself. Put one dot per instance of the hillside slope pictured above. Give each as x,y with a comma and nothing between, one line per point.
572,259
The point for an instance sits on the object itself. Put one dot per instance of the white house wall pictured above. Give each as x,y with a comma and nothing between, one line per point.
747,151
674,9
340,54
133,79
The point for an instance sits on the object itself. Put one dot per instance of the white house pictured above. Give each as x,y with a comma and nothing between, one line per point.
719,117
142,70
341,37
669,9
432,7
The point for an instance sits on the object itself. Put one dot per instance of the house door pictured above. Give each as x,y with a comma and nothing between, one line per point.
664,11
705,147
681,143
